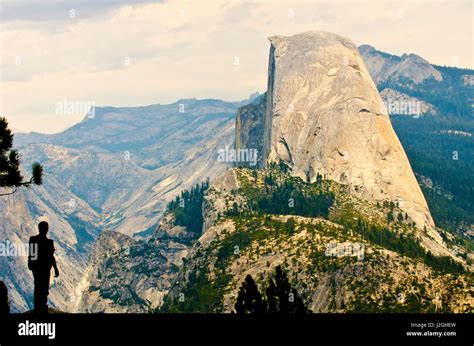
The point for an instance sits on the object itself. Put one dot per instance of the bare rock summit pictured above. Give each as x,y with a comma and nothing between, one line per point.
325,116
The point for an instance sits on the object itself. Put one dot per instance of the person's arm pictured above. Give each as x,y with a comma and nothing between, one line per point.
56,270
30,253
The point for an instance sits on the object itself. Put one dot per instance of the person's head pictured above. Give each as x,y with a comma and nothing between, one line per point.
43,227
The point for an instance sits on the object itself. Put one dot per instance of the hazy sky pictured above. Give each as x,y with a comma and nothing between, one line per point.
59,54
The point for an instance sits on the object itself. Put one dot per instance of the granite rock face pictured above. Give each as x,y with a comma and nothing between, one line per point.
250,128
325,116
126,275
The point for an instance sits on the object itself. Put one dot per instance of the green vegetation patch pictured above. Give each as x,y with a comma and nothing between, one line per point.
187,208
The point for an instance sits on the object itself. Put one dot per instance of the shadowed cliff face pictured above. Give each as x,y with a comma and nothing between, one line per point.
325,116
250,129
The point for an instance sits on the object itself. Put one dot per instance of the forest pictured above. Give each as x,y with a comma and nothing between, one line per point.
448,161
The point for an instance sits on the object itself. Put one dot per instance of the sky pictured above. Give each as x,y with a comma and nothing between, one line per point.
58,58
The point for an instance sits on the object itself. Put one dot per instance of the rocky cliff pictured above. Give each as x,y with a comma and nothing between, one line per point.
250,129
324,116
128,275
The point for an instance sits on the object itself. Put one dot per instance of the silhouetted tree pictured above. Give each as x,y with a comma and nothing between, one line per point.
287,298
280,297
271,297
10,176
249,299
282,291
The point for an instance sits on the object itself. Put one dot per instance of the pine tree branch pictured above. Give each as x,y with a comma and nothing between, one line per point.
24,183
9,193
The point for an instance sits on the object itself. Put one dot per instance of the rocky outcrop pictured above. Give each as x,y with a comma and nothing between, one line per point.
133,276
115,281
325,116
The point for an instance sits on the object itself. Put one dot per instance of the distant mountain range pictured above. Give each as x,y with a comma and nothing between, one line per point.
446,91
117,170
383,66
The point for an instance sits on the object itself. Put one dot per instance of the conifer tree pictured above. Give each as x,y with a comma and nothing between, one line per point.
288,299
270,292
282,291
280,297
10,175
249,299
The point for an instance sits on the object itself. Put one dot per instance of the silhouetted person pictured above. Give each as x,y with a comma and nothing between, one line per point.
4,306
40,261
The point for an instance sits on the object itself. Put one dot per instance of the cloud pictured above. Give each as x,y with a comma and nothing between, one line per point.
54,10
123,53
